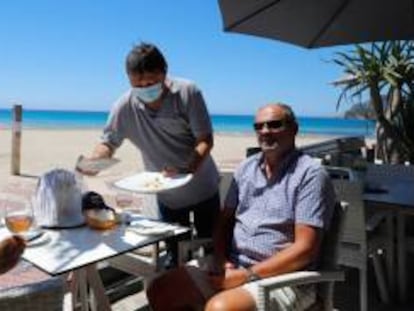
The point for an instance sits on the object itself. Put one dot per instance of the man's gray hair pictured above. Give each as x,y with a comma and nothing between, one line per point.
288,111
289,114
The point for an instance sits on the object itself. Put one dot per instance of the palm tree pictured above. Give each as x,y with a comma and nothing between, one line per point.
385,72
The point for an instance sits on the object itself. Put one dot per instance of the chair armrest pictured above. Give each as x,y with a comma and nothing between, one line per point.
375,219
291,279
300,278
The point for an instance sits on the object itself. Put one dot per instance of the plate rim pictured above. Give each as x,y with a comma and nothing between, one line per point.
42,239
186,177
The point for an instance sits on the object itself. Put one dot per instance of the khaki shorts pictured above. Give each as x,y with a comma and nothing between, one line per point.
295,298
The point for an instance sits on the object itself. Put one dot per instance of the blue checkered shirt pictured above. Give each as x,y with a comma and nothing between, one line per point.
267,210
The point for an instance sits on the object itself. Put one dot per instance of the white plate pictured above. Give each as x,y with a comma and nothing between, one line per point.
148,227
32,234
152,182
94,165
36,238
149,231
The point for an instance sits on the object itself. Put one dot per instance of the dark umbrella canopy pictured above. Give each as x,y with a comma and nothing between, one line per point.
319,23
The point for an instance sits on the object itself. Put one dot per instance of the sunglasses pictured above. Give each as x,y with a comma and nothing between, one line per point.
271,125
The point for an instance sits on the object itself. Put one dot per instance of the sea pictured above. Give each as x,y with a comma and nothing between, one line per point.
237,124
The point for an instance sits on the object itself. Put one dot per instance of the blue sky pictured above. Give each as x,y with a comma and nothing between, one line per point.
69,55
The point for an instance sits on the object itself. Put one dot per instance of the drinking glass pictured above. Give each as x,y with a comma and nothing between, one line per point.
2,212
19,216
124,199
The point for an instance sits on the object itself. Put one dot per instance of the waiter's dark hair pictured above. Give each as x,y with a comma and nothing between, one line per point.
145,57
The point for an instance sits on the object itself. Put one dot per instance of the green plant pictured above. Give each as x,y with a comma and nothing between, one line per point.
385,73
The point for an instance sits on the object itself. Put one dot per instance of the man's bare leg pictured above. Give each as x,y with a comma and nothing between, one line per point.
175,290
232,299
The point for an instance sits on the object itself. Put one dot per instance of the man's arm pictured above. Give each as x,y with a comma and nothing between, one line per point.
295,257
222,237
302,252
201,150
203,145
102,151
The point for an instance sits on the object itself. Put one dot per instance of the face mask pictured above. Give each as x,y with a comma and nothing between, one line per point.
148,94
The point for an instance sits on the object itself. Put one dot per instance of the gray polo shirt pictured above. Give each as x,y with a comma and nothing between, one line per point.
267,210
167,137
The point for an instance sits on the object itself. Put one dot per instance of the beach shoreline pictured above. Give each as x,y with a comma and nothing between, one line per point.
46,149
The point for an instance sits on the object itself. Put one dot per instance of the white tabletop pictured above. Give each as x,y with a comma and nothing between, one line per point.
60,251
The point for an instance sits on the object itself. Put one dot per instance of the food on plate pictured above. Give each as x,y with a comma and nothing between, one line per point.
154,182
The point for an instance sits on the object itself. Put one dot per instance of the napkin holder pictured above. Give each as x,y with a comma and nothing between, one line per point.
58,200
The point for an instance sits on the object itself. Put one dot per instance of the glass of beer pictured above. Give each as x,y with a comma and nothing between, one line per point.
19,216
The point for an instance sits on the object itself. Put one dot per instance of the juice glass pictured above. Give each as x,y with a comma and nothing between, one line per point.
19,216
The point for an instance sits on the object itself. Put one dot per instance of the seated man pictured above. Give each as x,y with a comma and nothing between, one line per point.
272,223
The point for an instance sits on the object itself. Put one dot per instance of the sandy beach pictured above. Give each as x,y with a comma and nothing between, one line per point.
43,150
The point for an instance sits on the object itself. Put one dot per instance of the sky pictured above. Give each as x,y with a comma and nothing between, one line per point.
69,55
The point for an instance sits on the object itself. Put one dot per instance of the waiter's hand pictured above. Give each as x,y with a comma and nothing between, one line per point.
82,167
170,171
90,165
10,251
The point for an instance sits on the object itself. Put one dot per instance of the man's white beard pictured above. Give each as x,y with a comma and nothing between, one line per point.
272,147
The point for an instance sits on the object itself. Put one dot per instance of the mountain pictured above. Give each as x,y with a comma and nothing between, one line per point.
361,110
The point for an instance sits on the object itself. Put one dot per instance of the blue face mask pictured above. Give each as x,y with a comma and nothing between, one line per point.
148,94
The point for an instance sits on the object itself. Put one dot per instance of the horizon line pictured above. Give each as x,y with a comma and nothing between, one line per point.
341,115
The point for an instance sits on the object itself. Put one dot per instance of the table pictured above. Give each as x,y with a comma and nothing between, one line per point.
77,251
399,199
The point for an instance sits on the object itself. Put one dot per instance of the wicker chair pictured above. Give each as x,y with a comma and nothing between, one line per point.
377,172
357,244
339,172
397,173
389,171
325,277
46,295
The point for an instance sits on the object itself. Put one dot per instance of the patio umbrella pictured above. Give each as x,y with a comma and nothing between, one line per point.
319,23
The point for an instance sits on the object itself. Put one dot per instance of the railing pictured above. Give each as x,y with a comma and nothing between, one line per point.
333,151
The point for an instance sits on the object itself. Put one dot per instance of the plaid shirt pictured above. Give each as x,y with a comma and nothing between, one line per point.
267,210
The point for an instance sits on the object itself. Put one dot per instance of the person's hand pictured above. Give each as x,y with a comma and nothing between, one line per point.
100,159
231,278
224,274
87,172
84,166
171,171
10,252
217,267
